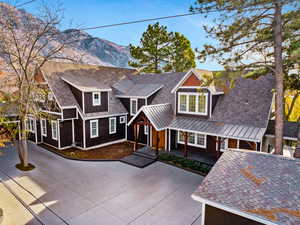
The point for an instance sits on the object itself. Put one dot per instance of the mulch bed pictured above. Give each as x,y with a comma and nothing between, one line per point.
111,152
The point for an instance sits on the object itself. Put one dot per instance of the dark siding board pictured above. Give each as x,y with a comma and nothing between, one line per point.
214,101
38,131
77,94
66,133
126,103
195,91
215,216
79,132
245,145
88,102
69,113
142,136
130,133
48,139
104,136
173,139
31,136
141,103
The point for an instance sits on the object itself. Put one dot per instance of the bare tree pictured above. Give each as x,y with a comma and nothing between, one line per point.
26,44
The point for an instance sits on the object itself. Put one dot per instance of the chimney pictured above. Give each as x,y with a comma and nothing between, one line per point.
297,151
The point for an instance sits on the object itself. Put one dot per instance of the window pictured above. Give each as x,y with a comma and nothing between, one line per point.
202,103
96,98
133,106
182,103
44,127
194,139
112,125
94,129
122,119
54,129
193,103
146,130
30,125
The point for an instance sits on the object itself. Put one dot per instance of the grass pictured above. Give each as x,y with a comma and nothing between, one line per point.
185,163
111,152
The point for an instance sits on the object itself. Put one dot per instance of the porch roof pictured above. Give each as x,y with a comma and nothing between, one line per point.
160,115
220,129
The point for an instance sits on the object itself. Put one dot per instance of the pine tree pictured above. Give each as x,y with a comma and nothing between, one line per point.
253,35
162,51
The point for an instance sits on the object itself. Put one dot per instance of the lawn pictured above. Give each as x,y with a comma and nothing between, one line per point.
111,152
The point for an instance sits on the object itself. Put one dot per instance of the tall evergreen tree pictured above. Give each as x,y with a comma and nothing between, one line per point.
162,51
254,35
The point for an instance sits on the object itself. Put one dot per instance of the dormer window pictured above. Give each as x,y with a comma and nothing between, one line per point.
133,106
96,98
193,103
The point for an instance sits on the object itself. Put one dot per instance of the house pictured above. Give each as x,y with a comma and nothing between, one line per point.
251,188
92,106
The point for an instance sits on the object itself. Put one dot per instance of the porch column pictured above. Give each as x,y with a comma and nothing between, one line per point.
219,142
185,144
157,140
135,137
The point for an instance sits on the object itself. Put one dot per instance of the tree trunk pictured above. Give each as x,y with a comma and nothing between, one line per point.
23,145
279,103
297,151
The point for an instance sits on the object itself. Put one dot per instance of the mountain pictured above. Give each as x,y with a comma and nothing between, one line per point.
89,49
102,49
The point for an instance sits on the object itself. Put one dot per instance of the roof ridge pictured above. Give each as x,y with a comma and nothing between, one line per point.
265,154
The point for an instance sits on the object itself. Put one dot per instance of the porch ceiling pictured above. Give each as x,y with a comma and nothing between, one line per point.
225,130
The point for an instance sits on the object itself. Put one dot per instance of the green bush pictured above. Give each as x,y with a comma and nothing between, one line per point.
186,163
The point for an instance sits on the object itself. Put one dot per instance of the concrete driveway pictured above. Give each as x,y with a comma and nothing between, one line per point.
61,191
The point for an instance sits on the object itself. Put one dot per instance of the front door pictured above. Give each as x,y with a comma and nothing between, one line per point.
158,139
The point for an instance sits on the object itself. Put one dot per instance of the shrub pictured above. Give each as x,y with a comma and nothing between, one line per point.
185,163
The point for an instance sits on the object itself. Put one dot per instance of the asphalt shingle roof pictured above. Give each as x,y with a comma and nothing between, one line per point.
259,184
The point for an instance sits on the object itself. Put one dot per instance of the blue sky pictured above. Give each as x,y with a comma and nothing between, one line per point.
101,12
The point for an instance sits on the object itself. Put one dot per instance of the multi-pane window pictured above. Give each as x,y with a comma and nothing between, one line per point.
54,129
96,98
202,103
112,125
94,128
194,139
182,103
133,106
193,103
44,127
30,125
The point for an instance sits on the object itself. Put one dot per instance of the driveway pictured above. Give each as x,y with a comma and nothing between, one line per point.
61,191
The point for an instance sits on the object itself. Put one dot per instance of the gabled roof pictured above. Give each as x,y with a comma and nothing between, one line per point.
226,130
290,129
259,186
159,115
107,76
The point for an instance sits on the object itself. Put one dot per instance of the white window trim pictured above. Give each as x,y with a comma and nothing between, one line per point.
146,129
29,128
44,128
122,119
187,94
131,100
54,124
114,120
195,145
96,103
91,129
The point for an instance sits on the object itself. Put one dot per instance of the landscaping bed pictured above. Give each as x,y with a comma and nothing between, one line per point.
187,164
110,152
